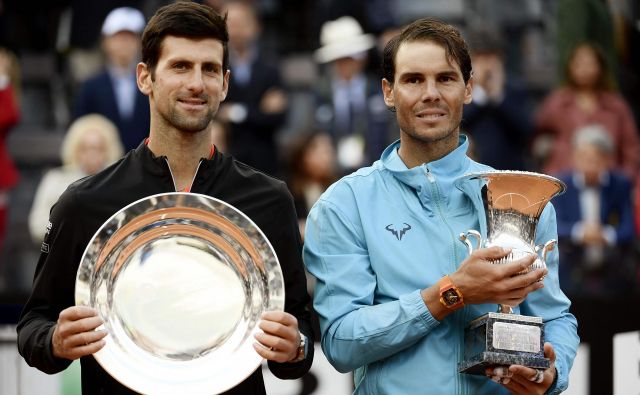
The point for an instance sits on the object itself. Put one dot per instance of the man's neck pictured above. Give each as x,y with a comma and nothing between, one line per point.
183,151
414,152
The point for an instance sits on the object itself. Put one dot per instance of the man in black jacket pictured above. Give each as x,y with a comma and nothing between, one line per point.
184,72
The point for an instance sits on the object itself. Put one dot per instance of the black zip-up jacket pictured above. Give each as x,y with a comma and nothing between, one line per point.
88,203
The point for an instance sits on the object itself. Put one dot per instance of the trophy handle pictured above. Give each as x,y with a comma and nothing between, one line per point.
464,237
548,247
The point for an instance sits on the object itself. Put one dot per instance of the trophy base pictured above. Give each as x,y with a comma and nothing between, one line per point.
503,339
487,359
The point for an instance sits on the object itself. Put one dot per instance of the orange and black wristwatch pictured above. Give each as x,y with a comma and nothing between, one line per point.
450,295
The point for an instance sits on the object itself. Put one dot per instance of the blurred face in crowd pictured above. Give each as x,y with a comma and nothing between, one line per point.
591,162
242,26
319,157
428,94
187,85
92,152
347,68
122,49
584,67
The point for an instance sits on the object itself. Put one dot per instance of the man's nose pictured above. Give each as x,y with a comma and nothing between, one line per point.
195,82
431,91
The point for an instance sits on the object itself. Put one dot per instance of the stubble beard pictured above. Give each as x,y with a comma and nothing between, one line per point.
412,134
193,124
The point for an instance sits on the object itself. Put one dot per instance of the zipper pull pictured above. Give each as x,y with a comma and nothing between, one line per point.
429,174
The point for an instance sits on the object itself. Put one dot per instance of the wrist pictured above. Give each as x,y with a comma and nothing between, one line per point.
301,351
450,295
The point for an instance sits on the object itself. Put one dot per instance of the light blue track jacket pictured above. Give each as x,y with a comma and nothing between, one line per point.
380,235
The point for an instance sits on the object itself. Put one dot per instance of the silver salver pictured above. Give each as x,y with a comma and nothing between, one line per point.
180,281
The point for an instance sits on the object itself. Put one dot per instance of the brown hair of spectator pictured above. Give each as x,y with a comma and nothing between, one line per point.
605,80
428,29
183,19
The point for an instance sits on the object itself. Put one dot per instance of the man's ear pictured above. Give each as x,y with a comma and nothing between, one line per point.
468,91
387,92
225,85
143,78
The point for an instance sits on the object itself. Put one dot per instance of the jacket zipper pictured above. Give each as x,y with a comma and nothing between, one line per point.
174,180
436,194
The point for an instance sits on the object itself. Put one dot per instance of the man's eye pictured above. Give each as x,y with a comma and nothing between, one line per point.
179,66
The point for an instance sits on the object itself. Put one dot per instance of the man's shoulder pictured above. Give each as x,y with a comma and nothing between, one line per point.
359,183
244,176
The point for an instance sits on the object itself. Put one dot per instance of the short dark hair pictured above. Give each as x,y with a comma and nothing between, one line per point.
183,19
428,29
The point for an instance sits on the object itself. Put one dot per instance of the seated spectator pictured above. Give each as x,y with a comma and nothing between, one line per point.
588,97
114,92
90,145
499,118
311,168
9,115
595,219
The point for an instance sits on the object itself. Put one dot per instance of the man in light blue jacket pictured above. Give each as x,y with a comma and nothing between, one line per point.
382,243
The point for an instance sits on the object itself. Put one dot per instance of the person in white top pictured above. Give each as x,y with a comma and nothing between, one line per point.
90,145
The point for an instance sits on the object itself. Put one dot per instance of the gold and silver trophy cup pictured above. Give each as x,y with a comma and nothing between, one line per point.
513,202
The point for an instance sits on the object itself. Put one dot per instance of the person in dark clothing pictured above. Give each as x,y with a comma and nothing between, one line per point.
498,120
256,107
113,92
184,72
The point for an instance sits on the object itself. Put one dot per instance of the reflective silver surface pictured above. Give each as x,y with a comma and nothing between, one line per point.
513,202
180,281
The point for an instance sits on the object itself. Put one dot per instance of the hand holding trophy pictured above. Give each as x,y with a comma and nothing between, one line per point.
513,202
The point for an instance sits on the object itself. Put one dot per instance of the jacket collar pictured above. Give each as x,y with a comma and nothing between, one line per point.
157,165
445,169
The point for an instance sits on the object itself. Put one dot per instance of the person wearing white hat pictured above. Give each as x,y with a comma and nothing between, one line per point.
349,103
113,92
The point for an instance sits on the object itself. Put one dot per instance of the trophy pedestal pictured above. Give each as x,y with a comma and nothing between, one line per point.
503,339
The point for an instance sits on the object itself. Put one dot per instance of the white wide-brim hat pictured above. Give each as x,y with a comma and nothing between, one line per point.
342,38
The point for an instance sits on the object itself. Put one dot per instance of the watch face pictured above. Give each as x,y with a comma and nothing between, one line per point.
451,297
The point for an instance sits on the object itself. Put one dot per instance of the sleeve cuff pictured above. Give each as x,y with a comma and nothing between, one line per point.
428,321
50,359
561,382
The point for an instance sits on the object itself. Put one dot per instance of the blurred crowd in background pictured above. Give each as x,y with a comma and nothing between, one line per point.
557,90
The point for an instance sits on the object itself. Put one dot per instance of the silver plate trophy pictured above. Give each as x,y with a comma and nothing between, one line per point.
513,202
180,281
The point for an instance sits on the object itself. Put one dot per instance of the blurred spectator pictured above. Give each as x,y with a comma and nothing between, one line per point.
312,169
114,92
587,98
255,107
349,102
9,115
220,135
595,219
499,117
585,21
90,145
